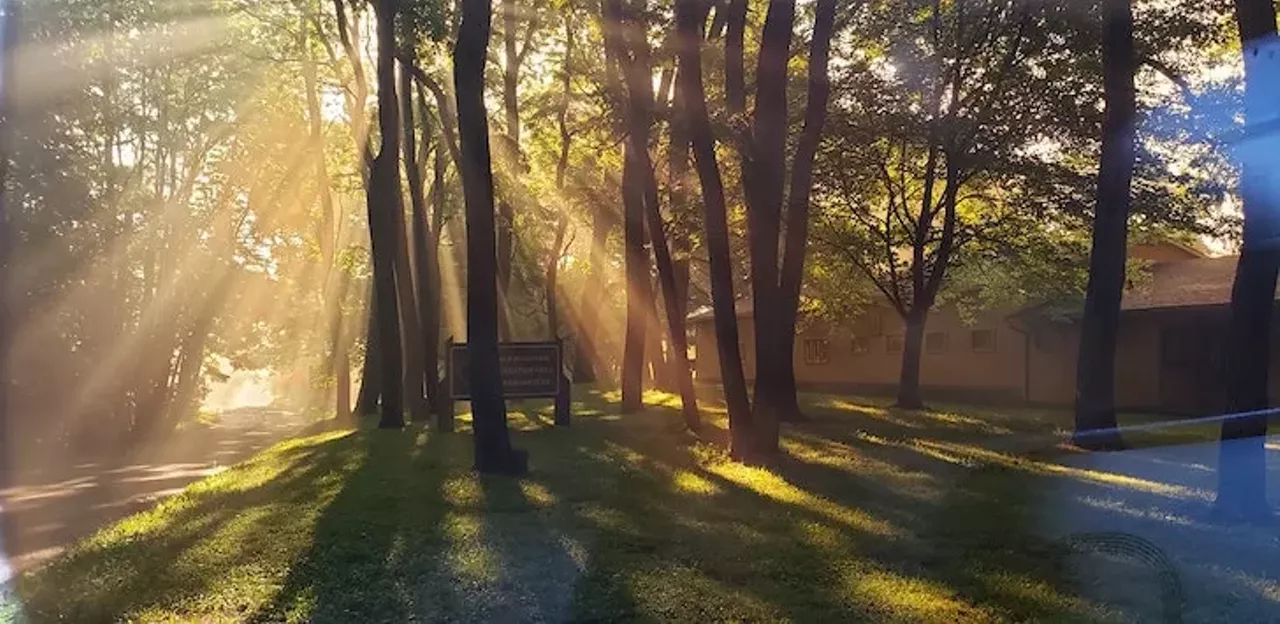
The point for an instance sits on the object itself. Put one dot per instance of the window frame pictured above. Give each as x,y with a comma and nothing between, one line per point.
890,340
993,346
817,351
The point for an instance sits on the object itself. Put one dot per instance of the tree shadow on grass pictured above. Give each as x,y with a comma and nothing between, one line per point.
978,530
805,540
620,518
671,540
416,535
509,557
363,562
990,551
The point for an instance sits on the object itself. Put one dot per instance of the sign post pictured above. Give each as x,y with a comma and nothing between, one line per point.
530,370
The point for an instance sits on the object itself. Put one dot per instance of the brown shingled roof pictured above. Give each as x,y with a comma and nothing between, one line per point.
1184,283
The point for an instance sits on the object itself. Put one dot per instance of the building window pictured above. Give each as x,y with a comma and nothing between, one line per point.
861,345
935,342
893,343
816,351
983,340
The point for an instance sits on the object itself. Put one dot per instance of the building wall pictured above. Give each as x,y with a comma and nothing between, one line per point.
1140,369
1055,351
860,356
1052,364
1047,365
1137,363
707,363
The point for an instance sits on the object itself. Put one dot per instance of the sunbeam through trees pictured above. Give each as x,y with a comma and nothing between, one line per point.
724,225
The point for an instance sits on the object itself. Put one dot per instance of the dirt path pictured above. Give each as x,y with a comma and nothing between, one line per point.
52,508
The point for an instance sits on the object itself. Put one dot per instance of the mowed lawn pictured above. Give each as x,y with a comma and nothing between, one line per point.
873,514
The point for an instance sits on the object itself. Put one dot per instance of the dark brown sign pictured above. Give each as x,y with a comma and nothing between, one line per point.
529,370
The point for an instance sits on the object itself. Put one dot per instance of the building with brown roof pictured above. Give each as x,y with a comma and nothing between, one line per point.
1167,358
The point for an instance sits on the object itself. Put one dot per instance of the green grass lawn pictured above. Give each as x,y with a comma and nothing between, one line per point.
873,513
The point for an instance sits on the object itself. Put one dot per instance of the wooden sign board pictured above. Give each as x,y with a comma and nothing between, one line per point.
529,370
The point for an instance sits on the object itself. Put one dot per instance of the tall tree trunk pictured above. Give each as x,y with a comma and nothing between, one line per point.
1095,417
690,19
765,169
441,404
185,397
562,167
384,231
1242,464
640,89
415,285
660,375
342,376
588,364
797,215
682,207
639,296
926,284
355,102
636,257
553,279
913,347
370,394
493,451
506,212
329,223
663,377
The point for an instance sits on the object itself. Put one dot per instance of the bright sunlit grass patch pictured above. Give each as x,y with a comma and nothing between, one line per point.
770,486
975,453
907,599
686,481
627,517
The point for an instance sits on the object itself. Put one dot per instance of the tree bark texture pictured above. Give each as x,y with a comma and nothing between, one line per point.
796,235
1095,410
370,393
690,18
441,405
384,231
493,451
913,346
414,261
636,257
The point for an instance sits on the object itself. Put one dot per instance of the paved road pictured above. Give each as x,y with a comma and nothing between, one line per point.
54,507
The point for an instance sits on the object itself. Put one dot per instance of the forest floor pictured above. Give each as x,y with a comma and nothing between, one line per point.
872,513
